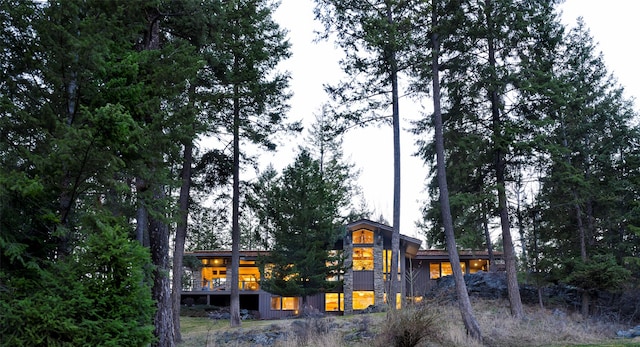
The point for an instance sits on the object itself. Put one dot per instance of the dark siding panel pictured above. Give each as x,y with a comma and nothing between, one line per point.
421,280
363,280
316,301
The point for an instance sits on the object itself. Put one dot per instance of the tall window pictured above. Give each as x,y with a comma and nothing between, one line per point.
362,236
334,302
362,259
386,259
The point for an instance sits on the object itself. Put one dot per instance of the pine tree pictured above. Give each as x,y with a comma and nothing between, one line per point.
253,95
303,215
470,322
591,142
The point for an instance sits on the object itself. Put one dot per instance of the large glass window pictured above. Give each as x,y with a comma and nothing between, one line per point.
284,303
362,258
437,270
334,302
248,278
362,299
213,278
434,270
363,236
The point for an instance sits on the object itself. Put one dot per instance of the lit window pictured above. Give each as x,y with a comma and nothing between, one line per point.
363,236
386,260
362,299
248,278
334,302
434,270
286,303
214,278
445,269
478,265
362,259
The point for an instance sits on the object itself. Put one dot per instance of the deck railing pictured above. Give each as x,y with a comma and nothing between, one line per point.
218,285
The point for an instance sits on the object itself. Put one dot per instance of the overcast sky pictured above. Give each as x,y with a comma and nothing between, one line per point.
614,25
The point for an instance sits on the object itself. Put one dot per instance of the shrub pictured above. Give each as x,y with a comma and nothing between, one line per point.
98,296
409,327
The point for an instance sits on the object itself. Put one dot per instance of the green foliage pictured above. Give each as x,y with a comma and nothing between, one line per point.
301,212
601,272
95,297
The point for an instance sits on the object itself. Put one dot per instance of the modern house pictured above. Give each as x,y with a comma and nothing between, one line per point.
366,249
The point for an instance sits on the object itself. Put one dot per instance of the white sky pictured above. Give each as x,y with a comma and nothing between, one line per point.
613,24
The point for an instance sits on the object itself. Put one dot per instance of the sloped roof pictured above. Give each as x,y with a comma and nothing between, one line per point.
413,244
435,254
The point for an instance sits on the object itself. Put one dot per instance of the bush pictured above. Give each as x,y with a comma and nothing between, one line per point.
98,296
409,327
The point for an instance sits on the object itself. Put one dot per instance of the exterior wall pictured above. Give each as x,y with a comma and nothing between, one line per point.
421,282
363,280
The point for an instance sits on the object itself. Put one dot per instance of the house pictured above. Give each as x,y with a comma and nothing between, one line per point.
367,252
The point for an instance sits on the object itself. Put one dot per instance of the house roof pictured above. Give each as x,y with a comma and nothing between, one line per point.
412,244
226,253
435,254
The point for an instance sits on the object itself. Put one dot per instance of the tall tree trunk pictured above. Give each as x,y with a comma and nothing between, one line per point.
394,285
142,214
181,234
586,298
500,164
158,229
520,218
470,322
161,290
235,214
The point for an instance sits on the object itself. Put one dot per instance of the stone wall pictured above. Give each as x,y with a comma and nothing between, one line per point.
348,274
378,268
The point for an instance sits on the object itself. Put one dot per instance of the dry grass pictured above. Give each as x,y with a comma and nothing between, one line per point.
539,328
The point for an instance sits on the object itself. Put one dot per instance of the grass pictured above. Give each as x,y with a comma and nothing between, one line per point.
539,328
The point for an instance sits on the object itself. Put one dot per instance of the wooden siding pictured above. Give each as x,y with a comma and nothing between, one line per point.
363,280
421,280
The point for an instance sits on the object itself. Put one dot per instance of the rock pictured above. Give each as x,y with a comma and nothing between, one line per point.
375,309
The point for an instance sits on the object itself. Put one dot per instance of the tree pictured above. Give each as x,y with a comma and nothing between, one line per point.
497,51
374,36
253,95
591,155
470,322
303,215
65,149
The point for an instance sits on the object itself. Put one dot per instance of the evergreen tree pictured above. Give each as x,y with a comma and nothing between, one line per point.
303,217
439,27
493,53
587,192
253,95
375,36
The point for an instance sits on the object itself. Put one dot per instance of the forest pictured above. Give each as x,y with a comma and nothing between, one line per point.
125,127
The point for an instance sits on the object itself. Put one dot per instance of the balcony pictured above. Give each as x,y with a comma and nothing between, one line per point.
219,285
